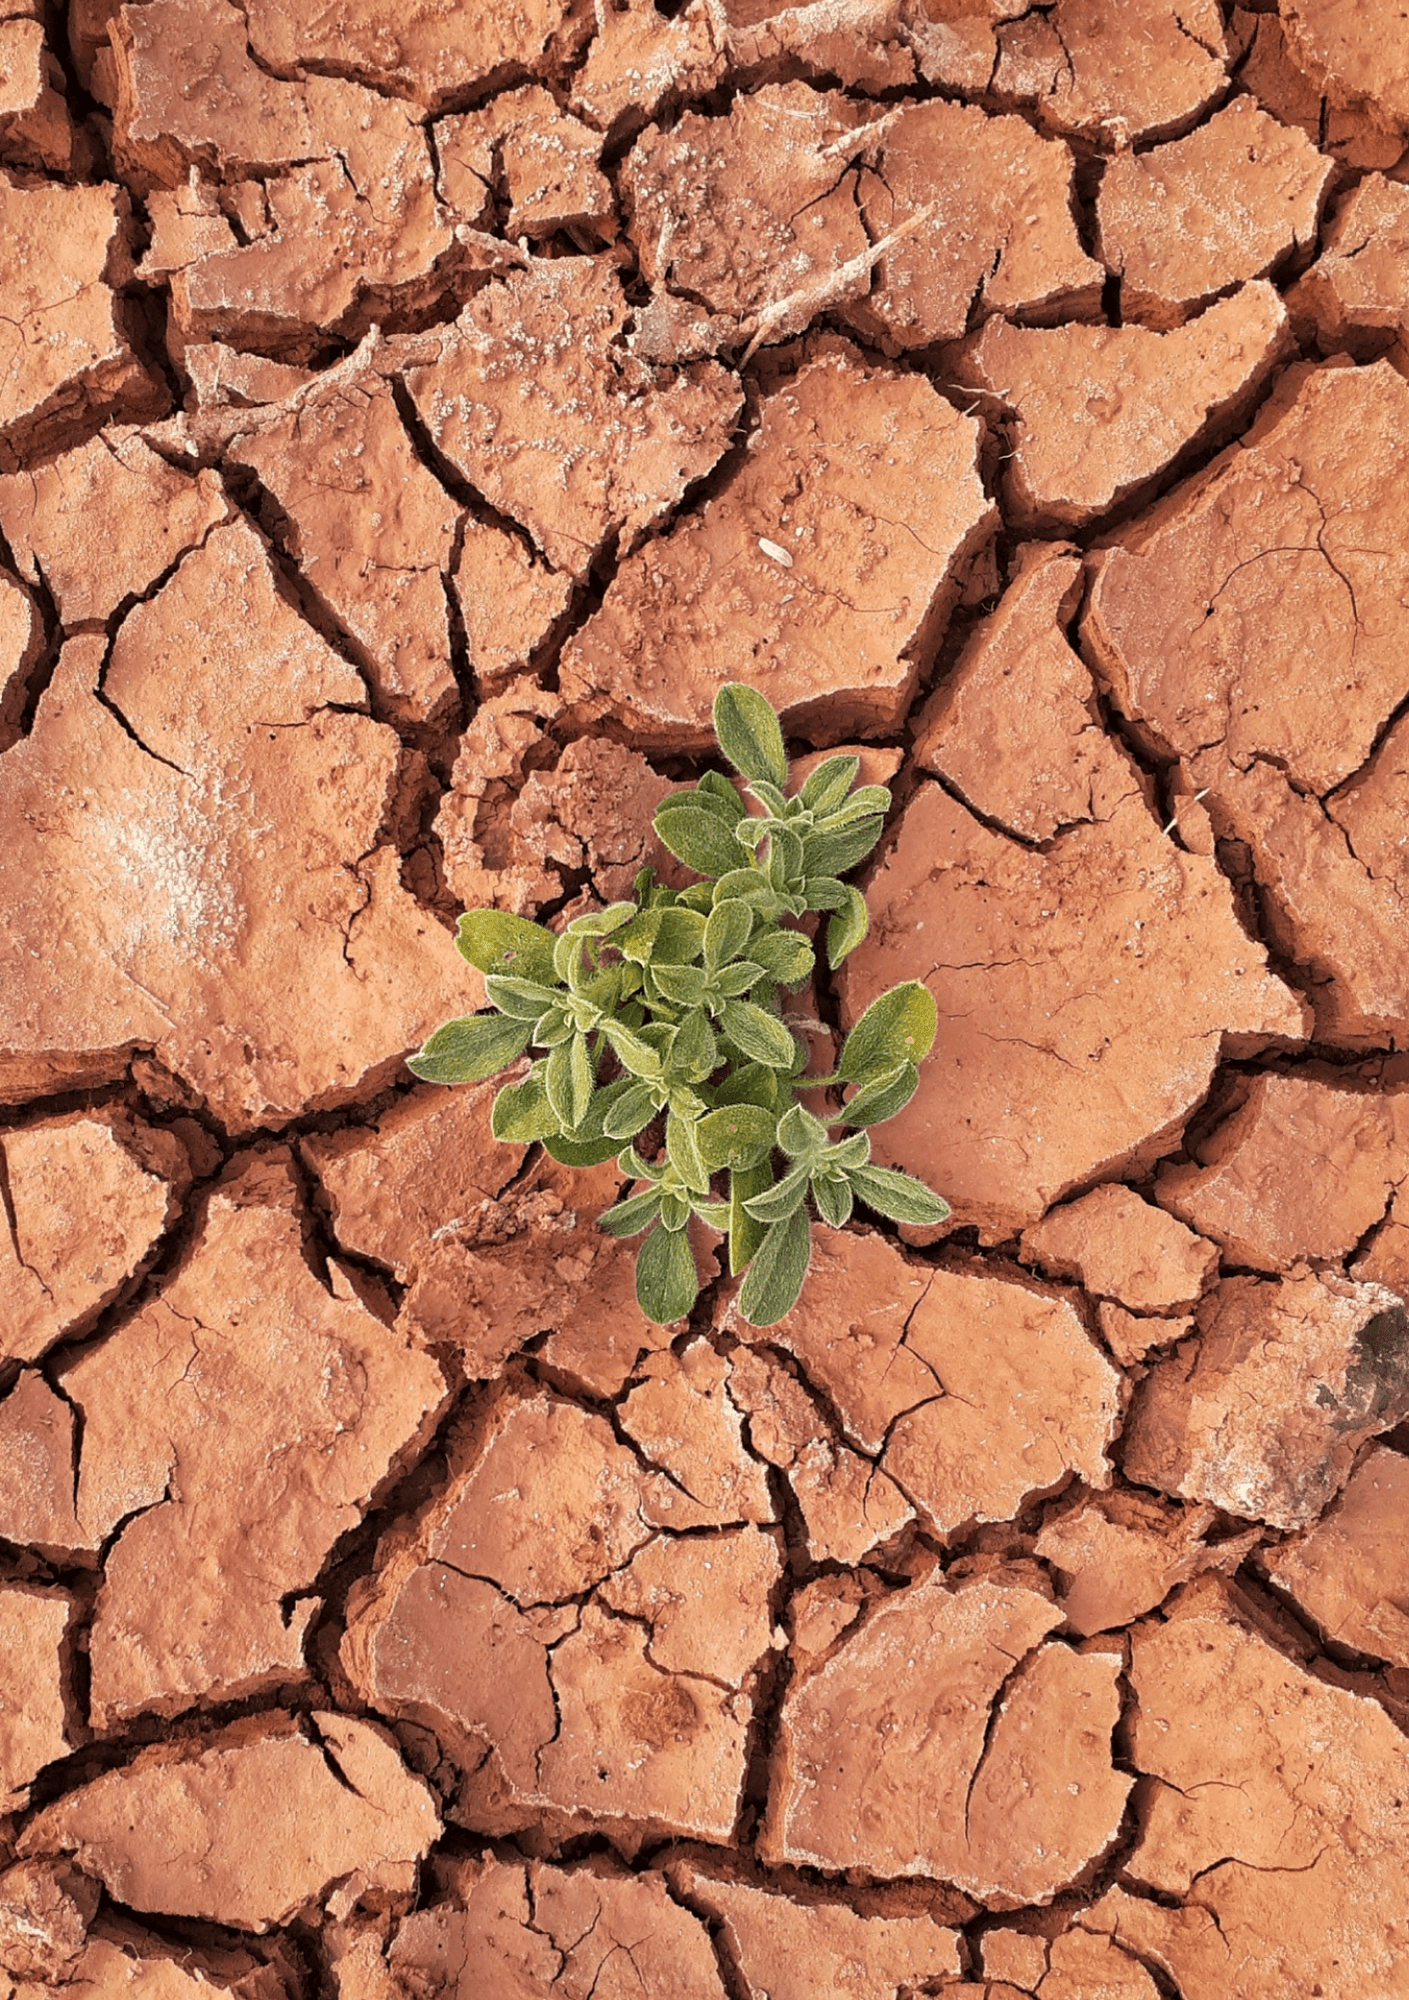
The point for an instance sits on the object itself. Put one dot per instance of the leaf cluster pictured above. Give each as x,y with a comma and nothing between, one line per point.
666,1011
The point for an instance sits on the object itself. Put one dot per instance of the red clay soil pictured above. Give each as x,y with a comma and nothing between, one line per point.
409,416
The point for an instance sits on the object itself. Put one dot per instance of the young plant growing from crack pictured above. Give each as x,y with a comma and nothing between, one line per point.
676,996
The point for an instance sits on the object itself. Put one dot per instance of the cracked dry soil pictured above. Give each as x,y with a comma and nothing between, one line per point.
409,416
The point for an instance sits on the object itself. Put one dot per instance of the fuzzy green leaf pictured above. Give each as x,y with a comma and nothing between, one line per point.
824,892
882,1095
674,1208
685,1103
694,1054
582,1079
496,941
784,955
685,984
726,933
722,796
757,1034
567,956
551,1028
866,799
770,797
898,1196
745,1233
899,1026
580,968
775,1277
778,1202
697,836
736,1135
848,927
733,980
750,1083
597,995
680,938
631,1216
522,1113
470,1049
784,854
602,923
637,940
523,999
747,883
852,1152
667,1284
801,1136
829,784
836,848
630,1113
682,1149
579,1152
833,1197
750,734
560,1083
632,1052
593,1125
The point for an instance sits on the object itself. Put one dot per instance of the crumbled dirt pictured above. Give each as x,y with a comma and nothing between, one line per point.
409,418
791,1949
1072,461
534,399
1301,1170
250,1824
1338,1575
1120,1248
1359,55
109,1181
34,119
767,198
545,161
1278,540
373,533
1352,294
955,1414
35,1729
1121,1555
997,236
1162,66
104,522
68,365
1182,223
800,572
1050,1076
1274,71
927,1746
1257,1831
331,216
1213,1420
209,1568
640,62
1014,728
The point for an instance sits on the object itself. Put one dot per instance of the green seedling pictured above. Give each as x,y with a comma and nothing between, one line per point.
666,1011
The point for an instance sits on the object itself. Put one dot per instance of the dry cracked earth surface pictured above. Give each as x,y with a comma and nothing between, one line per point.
409,416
